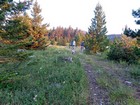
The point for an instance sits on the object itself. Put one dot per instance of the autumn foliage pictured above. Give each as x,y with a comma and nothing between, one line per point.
125,49
62,36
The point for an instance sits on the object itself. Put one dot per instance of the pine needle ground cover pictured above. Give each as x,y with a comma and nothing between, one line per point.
47,78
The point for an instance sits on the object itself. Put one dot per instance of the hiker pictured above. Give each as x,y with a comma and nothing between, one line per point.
73,44
70,45
82,46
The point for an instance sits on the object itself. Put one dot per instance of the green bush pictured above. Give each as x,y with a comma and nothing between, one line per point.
135,72
137,52
120,52
96,44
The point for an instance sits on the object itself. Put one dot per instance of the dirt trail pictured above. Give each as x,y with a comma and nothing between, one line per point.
119,72
98,96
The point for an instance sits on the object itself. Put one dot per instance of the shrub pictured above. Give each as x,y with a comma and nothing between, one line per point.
96,44
135,73
119,51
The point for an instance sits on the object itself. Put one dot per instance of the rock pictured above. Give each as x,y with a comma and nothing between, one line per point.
21,50
128,82
69,59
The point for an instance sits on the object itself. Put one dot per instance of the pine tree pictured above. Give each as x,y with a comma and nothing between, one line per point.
131,33
39,30
14,38
14,32
136,14
98,23
97,31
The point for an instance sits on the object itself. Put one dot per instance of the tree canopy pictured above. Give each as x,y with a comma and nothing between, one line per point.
11,16
131,33
98,23
97,41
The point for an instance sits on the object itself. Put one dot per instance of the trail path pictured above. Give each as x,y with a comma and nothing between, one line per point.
99,95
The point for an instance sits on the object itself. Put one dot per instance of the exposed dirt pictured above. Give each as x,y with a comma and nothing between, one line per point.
119,72
98,96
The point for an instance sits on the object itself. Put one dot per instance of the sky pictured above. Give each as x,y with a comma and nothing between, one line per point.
78,13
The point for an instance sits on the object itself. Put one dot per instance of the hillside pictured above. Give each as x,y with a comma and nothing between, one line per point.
113,36
57,77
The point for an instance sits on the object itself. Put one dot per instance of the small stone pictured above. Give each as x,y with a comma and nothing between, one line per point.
128,82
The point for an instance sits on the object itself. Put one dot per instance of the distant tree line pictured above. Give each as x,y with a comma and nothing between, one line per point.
62,36
18,30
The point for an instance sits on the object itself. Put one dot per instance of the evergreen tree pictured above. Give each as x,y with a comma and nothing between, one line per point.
79,38
97,31
136,14
136,33
14,38
39,30
127,49
14,30
98,23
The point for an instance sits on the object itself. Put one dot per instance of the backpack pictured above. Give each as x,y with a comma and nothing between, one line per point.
71,43
82,44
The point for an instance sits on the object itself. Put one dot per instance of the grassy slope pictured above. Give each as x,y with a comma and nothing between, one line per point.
112,77
45,79
48,79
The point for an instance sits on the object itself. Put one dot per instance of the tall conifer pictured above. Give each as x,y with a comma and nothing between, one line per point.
14,30
39,29
136,33
97,40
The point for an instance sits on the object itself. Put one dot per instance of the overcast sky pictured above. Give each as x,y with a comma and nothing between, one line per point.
78,13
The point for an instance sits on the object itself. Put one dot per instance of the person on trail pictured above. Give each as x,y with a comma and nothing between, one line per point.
82,46
74,44
70,45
